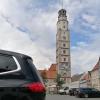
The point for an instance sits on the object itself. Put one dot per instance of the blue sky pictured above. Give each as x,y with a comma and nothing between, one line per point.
29,26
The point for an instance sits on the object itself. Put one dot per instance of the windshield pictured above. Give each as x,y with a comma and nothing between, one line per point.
94,89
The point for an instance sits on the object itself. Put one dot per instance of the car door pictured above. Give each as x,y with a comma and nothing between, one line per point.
66,89
95,93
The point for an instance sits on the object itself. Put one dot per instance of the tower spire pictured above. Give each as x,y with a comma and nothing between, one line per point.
62,4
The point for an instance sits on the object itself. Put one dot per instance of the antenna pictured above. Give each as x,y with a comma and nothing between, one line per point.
61,3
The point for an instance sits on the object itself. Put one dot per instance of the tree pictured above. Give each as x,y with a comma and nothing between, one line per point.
59,81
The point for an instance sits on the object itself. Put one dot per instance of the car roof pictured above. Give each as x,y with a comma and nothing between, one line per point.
85,88
14,54
73,88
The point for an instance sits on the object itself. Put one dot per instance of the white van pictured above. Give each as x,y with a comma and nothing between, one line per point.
64,91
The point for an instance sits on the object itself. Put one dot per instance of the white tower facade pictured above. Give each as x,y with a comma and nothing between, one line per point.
63,47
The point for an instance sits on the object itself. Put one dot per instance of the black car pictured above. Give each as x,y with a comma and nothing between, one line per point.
19,79
72,91
88,92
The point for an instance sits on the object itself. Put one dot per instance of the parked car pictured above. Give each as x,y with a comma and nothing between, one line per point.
19,79
88,92
72,91
64,91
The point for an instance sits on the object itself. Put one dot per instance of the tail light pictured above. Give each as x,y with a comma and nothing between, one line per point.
36,87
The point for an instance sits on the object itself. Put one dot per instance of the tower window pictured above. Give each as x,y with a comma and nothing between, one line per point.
64,59
64,37
64,51
64,12
64,45
64,26
66,64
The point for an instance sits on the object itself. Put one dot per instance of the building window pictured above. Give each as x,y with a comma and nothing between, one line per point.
64,45
64,59
66,64
64,51
64,37
64,26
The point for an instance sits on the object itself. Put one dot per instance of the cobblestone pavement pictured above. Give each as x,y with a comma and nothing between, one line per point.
66,97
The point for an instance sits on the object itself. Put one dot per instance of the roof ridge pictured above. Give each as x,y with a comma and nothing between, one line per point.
96,65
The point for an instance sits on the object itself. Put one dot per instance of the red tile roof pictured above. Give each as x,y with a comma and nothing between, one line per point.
53,67
85,76
52,72
97,66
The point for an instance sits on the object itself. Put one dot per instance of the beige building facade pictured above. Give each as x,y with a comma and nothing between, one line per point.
63,47
95,76
85,80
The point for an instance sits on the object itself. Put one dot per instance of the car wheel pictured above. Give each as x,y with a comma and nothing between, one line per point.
65,93
78,96
86,95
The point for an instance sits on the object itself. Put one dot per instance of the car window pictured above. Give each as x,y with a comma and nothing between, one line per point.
7,63
66,88
32,69
94,89
85,89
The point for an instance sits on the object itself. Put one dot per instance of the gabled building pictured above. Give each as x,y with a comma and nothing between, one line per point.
49,78
85,80
51,75
75,80
95,76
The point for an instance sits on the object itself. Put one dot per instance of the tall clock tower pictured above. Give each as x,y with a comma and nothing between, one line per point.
63,47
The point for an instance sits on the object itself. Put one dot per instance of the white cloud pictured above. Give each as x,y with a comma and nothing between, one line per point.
89,18
40,25
15,40
85,56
